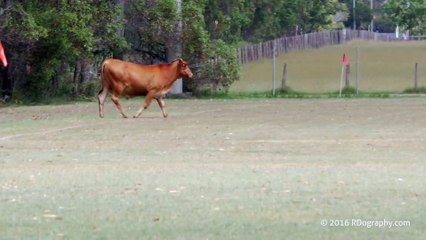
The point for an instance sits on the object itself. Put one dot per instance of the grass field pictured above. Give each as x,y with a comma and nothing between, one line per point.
384,66
215,169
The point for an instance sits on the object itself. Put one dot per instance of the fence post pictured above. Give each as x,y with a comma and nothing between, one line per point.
273,67
357,71
416,76
348,72
284,79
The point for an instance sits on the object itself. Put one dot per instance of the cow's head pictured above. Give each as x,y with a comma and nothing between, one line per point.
183,68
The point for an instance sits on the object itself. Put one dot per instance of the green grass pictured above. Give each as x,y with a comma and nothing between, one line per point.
215,169
347,92
384,67
420,90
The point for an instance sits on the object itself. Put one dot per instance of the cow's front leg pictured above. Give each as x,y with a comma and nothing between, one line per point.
162,104
147,102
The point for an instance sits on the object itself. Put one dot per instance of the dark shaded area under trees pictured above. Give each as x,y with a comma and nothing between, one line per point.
55,47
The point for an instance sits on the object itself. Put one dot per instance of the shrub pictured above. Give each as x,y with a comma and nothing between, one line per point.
415,90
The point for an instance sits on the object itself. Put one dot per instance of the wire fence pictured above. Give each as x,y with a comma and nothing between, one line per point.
311,40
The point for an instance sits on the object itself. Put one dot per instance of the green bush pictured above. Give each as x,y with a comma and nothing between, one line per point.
218,69
415,90
349,91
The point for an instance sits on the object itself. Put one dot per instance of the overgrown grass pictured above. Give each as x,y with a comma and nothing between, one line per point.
420,90
383,67
347,92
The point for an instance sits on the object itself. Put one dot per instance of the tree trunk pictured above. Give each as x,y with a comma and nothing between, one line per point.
348,73
174,48
77,77
120,31
6,87
284,78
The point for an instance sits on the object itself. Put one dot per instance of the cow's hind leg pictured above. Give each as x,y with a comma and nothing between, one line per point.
162,104
101,100
147,102
116,99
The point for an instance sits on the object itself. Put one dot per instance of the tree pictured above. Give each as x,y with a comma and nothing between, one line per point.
214,62
270,19
225,20
317,15
150,26
363,14
55,46
46,38
407,14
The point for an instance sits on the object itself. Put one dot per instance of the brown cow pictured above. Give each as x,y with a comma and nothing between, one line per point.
131,80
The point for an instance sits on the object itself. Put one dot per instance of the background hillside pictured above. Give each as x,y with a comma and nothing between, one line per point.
384,66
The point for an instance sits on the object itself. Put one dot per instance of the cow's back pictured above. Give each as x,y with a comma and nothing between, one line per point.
129,78
117,72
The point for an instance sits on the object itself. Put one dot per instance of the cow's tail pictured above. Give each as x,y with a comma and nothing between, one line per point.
104,83
103,92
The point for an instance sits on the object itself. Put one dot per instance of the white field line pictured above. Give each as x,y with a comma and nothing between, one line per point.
337,141
42,132
204,111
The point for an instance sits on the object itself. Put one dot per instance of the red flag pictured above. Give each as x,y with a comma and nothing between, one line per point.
2,55
345,60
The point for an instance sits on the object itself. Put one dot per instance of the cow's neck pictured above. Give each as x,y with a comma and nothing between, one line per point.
172,74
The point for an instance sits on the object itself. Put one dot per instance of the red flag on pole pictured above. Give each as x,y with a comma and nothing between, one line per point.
2,55
345,60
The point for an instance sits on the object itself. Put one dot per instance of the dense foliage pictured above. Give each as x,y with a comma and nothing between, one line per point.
367,11
55,47
409,15
51,45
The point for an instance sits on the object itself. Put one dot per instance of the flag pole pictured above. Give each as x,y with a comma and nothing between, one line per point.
344,63
341,80
357,70
3,58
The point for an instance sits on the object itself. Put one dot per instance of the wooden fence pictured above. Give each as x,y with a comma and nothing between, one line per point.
311,40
